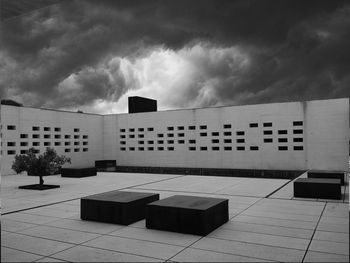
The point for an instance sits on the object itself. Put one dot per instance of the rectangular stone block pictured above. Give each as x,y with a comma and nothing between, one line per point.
326,174
106,165
187,214
317,188
78,172
118,207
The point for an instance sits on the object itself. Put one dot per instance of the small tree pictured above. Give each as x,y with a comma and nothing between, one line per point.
39,165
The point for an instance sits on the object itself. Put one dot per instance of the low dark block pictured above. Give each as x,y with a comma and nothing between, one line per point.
326,174
317,188
78,172
117,207
106,165
187,214
38,186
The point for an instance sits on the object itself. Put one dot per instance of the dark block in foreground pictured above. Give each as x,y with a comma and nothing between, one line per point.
187,214
117,207
317,188
78,172
326,174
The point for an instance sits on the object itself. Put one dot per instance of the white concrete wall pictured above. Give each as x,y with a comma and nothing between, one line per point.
325,135
24,118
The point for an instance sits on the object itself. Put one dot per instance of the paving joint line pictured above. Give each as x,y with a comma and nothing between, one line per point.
263,234
206,193
186,248
307,249
279,218
30,252
121,252
273,192
239,255
59,202
258,244
139,239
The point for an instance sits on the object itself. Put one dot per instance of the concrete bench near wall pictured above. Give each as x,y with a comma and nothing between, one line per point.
187,214
118,207
317,188
106,165
78,172
326,174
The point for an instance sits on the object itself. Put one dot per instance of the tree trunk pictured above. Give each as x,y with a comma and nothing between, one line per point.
41,180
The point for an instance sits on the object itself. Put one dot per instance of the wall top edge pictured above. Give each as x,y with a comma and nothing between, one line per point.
188,109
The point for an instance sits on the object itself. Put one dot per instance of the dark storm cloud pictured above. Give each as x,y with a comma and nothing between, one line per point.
76,52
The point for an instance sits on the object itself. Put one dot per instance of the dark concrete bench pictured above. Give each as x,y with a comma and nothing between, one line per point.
187,214
317,188
117,207
78,172
326,174
106,165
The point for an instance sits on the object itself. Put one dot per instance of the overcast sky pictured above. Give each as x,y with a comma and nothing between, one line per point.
92,55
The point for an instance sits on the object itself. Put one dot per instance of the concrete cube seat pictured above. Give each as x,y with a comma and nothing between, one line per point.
326,174
78,172
187,214
317,188
118,207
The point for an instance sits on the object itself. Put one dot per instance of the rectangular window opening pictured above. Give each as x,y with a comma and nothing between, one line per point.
268,132
283,148
297,123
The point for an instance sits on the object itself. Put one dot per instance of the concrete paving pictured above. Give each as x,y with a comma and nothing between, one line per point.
266,223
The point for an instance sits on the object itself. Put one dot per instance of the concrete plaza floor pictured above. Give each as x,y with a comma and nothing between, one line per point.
266,222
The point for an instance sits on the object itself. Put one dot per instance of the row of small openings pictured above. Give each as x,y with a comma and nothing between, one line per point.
189,141
24,144
282,132
56,136
204,148
75,150
204,127
266,140
148,148
37,128
169,128
139,129
269,124
204,134
269,140
13,152
161,135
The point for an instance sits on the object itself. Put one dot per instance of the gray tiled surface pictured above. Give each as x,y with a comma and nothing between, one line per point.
15,255
278,228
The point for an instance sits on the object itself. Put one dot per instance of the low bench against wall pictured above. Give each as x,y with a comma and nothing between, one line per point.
317,188
106,165
327,174
118,207
187,214
78,172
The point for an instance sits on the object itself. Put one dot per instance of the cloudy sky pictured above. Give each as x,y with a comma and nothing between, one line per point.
92,55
